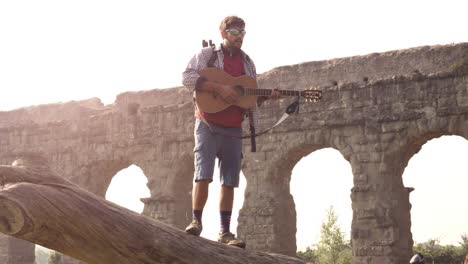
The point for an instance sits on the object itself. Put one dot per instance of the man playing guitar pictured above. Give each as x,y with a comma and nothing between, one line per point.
219,134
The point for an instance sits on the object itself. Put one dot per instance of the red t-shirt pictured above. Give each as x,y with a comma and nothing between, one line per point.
233,115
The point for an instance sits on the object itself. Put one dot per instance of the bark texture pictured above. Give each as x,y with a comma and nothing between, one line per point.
39,206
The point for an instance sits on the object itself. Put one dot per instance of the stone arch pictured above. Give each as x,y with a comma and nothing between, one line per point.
269,210
391,208
126,179
97,176
320,187
416,144
415,148
287,161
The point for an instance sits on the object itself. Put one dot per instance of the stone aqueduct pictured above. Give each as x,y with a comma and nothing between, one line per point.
384,107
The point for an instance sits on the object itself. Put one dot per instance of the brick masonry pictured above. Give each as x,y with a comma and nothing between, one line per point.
377,110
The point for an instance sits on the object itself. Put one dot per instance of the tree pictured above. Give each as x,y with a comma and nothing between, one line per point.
310,255
39,206
435,253
464,243
333,248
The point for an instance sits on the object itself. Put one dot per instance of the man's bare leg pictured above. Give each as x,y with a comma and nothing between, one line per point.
200,194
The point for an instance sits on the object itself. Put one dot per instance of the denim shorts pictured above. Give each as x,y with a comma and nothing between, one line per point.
221,142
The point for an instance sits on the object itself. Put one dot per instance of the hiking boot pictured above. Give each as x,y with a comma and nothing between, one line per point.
229,238
194,228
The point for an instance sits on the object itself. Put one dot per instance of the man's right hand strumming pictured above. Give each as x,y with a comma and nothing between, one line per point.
228,93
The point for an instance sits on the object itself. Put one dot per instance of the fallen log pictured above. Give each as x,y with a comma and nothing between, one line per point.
38,206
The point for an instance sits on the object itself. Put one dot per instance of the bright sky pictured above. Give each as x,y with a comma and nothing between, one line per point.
58,51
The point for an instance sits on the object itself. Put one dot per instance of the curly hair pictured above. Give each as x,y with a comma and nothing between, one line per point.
230,21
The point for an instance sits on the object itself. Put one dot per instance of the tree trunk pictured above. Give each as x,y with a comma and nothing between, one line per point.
38,206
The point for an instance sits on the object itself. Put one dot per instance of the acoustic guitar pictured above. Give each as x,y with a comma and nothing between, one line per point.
246,86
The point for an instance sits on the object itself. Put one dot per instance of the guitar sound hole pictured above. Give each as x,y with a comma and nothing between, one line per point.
239,89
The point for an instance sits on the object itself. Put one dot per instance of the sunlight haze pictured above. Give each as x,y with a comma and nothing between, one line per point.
59,51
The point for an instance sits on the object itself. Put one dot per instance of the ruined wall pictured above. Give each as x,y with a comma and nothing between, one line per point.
382,110
16,251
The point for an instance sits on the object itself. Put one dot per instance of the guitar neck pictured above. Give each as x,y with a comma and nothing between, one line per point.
267,92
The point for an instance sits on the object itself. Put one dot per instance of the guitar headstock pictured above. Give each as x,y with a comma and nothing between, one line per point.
312,94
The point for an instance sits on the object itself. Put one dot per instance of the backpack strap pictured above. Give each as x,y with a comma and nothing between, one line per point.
213,58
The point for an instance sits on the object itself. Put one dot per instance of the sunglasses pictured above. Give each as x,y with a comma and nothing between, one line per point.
236,32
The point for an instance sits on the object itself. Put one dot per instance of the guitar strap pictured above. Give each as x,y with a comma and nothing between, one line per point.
293,108
253,143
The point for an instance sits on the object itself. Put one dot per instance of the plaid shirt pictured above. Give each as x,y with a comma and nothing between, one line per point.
199,61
